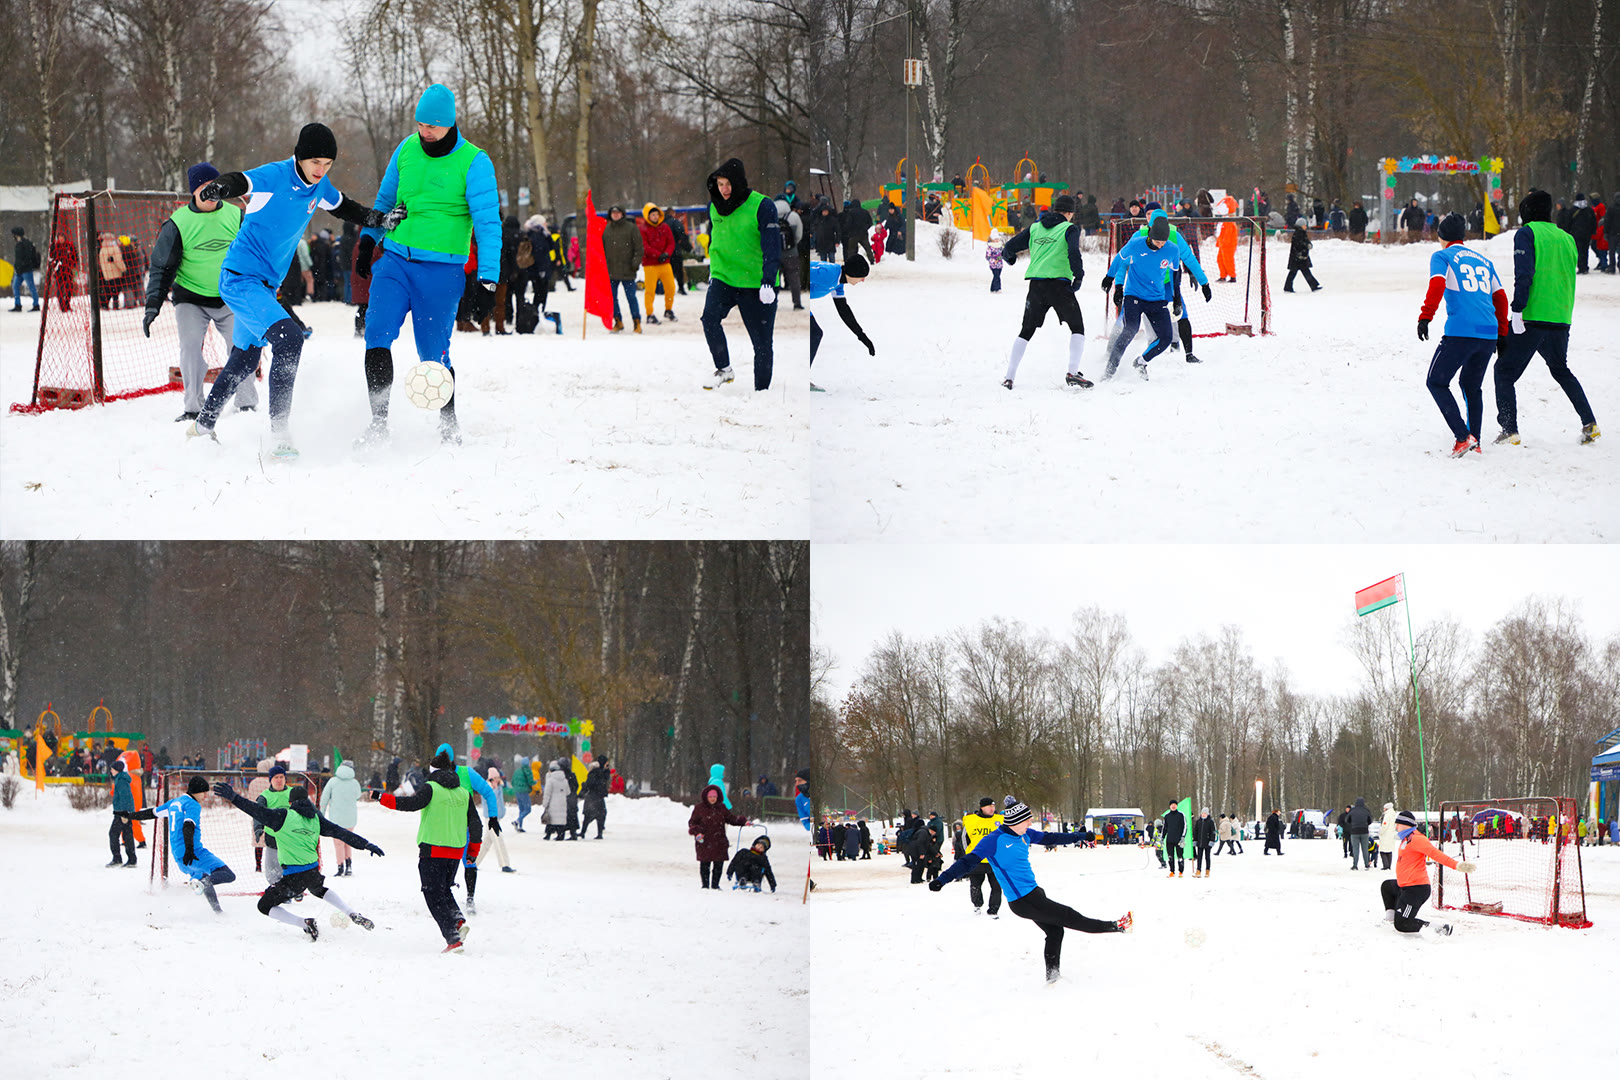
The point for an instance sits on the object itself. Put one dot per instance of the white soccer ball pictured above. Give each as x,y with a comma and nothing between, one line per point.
1194,938
338,921
429,385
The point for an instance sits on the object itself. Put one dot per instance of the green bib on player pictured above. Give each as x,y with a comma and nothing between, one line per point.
1049,251
204,240
298,841
276,800
434,190
734,252
1552,289
444,820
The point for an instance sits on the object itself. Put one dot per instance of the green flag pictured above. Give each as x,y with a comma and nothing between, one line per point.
1185,806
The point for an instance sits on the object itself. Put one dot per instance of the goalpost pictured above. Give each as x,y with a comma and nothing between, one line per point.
1240,307
223,829
1528,856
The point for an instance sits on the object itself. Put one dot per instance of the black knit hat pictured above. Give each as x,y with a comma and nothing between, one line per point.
856,267
987,801
1015,812
196,786
1452,229
1064,204
1536,206
315,141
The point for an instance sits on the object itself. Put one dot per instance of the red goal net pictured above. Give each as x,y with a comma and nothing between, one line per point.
91,348
1529,860
223,829
1233,248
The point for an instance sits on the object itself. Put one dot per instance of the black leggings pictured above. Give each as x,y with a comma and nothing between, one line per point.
1404,902
976,878
1052,917
712,873
289,886
1200,856
436,875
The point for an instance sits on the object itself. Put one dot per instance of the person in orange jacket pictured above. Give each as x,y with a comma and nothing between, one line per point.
1409,890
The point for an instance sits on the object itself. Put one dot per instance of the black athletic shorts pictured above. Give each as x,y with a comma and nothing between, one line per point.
1050,294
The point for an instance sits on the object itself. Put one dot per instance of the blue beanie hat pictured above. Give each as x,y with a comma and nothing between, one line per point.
199,174
277,769
437,106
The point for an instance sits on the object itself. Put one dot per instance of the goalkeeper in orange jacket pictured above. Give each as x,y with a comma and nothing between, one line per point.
1409,890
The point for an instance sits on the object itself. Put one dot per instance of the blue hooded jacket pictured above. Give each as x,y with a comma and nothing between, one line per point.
717,777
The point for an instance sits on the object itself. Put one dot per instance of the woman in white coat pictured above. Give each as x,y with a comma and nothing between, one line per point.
1389,840
339,801
494,841
554,801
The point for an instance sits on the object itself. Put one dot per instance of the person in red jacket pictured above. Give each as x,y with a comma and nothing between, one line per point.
708,827
657,249
1409,890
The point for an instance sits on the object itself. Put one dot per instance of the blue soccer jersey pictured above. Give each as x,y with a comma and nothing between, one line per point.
279,207
178,812
826,280
1471,282
1146,273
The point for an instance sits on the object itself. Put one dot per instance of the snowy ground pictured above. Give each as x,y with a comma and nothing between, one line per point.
600,958
612,436
1297,976
1322,432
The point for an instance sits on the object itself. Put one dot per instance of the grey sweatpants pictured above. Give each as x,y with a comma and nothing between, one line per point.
1358,850
192,321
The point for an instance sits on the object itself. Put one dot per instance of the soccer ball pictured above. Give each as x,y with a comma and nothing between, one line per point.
1194,938
429,385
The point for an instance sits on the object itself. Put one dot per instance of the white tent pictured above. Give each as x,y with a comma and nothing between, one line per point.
1107,813
34,198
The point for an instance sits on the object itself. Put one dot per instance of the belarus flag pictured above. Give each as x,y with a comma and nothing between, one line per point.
1381,595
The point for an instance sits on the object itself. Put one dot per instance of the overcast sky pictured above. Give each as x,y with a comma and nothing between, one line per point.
1292,602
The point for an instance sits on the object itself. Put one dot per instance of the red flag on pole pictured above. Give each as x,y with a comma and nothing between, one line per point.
598,290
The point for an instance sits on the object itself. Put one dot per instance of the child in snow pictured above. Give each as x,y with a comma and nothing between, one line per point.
992,255
750,866
1409,889
829,279
1476,316
1006,849
707,826
298,829
879,235
184,816
1299,259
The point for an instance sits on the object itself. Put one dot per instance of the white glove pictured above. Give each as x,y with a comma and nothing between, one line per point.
767,295
1516,323
1467,867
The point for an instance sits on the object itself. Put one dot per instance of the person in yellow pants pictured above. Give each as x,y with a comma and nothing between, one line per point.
657,249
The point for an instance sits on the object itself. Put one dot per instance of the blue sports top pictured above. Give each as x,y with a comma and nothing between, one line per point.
279,207
826,280
1008,856
179,811
1147,274
1471,282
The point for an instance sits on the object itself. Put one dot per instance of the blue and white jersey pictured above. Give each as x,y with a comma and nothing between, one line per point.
1008,856
1147,274
178,812
1471,282
279,207
826,279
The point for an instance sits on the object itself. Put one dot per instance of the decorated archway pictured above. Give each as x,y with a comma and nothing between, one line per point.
1490,169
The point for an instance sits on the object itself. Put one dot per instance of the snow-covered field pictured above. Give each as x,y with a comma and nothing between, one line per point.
612,436
1323,432
1298,976
599,958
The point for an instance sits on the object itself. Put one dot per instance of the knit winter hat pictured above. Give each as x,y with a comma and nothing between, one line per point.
199,174
277,769
1015,811
1064,204
1406,819
436,106
315,141
856,267
1536,206
986,801
196,785
1452,230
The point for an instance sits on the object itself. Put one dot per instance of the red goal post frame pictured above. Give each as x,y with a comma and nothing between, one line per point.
1551,854
226,831
1249,299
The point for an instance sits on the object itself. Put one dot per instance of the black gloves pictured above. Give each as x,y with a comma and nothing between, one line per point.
1208,296
376,219
374,849
1175,305
935,885
213,191
224,791
1423,329
190,855
362,256
1108,283
1009,257
495,826
871,349
482,302
1119,295
146,323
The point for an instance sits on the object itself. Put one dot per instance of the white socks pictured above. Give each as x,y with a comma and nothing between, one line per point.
281,914
337,901
1019,345
1077,349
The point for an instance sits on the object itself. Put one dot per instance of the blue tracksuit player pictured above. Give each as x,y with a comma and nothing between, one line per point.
282,197
1147,268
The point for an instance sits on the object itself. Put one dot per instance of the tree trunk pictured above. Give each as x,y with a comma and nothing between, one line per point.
582,134
1584,121
1285,12
45,28
534,111
686,661
213,80
172,90
379,660
14,639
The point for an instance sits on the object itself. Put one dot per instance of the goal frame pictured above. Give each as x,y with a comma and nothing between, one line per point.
171,783
1253,277
1566,893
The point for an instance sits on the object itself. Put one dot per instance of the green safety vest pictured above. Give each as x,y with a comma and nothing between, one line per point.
444,821
435,191
1552,288
276,800
735,256
204,240
1049,251
298,841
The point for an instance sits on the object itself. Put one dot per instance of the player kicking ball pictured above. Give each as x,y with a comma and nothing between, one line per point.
1409,890
184,815
299,828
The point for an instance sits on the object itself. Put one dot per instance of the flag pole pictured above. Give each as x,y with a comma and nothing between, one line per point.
1423,761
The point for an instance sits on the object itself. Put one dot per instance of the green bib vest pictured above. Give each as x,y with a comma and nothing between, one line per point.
276,800
1552,289
1049,251
444,821
434,190
734,252
204,240
298,840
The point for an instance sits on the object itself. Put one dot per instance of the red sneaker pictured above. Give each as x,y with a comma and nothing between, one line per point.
1465,445
1124,923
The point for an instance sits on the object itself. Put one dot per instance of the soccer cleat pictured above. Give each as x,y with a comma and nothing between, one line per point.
285,450
1590,433
1077,379
115,862
1006,384
361,921
507,870
1053,975
131,863
1124,923
463,930
193,430
1509,437
472,908
1440,929
555,320
376,434
1141,366
452,947
184,417
1180,873
312,929
1191,359
720,377
1464,445
817,389
1172,873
